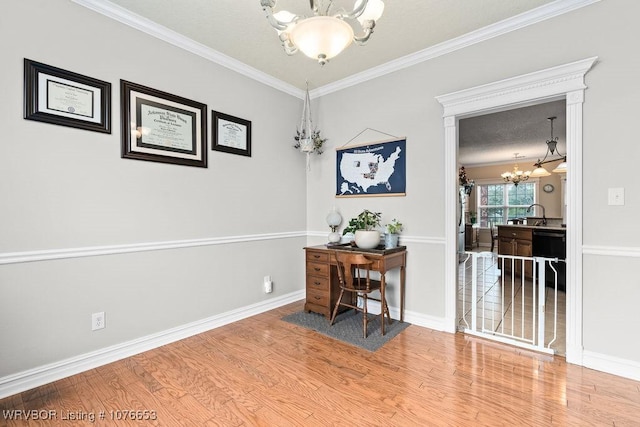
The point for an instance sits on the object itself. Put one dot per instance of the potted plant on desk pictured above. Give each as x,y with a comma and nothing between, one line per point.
393,234
364,228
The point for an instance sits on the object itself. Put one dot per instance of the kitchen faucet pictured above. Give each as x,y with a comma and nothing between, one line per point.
544,216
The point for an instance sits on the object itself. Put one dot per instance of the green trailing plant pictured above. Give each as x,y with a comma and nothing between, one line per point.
394,227
318,141
366,220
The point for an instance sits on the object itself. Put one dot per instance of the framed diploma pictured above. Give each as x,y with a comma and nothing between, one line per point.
61,97
231,134
161,127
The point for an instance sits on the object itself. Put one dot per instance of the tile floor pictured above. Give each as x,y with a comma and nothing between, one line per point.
518,311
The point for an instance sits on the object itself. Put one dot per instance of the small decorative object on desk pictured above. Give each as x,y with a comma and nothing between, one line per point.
364,226
334,219
393,233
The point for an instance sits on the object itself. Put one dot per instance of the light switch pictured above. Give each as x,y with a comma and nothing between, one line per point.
616,196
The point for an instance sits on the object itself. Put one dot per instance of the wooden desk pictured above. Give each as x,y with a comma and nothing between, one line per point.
323,285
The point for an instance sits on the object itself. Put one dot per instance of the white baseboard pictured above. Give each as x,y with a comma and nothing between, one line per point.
26,380
418,319
611,365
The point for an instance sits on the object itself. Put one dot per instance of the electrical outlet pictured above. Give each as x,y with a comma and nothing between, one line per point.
268,285
97,321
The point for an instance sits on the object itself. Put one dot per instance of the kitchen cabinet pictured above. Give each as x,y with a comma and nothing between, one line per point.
517,241
470,237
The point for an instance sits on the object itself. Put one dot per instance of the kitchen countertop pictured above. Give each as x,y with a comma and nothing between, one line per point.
535,227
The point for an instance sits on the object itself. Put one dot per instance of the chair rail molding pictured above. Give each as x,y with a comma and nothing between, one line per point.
51,254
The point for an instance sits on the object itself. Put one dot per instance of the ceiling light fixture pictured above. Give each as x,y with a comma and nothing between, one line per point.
516,176
325,34
552,149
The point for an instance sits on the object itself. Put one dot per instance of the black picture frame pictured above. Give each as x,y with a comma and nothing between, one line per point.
161,127
230,134
62,97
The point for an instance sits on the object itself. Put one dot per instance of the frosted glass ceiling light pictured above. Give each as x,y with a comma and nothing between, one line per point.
325,34
321,37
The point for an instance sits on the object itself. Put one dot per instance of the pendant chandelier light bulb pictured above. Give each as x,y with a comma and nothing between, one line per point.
323,35
516,176
552,149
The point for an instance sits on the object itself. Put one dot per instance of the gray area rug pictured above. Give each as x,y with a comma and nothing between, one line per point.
348,328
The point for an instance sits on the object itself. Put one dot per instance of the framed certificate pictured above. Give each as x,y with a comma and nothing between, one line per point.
61,97
231,134
161,127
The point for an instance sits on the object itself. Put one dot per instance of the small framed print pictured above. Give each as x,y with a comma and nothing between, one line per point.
61,97
231,134
161,127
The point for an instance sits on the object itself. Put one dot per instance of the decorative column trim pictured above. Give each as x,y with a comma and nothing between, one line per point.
451,232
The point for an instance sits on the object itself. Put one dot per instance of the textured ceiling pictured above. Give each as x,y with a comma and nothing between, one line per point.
239,29
497,137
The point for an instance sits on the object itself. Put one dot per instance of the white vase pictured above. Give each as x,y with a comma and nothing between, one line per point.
367,239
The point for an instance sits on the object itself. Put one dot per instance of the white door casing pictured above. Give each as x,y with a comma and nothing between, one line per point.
561,82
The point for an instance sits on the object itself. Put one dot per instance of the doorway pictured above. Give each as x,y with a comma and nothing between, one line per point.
486,146
564,81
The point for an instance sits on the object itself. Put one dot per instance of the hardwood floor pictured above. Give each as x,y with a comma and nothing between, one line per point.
266,372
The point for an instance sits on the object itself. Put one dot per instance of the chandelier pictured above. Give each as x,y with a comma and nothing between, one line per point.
516,176
326,33
552,149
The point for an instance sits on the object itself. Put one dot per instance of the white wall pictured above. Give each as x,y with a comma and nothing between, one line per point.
65,189
403,104
68,189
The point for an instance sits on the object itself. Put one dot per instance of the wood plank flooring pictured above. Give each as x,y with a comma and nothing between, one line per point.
262,371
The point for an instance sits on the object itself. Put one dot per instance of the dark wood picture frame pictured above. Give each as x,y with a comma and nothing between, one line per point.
62,97
230,134
161,127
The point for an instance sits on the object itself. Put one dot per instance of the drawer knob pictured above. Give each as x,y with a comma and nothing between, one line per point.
316,268
316,283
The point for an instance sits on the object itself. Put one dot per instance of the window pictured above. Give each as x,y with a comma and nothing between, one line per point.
499,203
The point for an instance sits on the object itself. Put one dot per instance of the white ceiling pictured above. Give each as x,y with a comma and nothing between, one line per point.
236,34
239,29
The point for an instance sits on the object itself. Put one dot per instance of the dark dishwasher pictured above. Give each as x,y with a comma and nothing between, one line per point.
552,244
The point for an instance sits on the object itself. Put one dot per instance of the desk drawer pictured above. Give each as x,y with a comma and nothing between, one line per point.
318,297
317,256
318,269
318,283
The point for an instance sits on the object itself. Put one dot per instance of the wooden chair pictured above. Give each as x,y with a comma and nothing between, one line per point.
351,268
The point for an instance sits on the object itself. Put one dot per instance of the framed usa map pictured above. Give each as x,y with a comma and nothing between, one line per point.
372,169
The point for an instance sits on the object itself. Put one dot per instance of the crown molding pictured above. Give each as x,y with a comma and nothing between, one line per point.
514,23
156,30
539,14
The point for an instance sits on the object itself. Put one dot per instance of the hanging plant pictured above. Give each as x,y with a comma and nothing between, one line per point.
464,181
308,139
309,145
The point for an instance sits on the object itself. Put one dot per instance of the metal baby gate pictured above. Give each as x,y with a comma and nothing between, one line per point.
503,298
